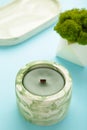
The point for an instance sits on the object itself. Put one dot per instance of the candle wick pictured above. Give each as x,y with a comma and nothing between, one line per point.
43,81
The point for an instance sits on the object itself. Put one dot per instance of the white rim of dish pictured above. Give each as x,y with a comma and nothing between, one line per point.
18,38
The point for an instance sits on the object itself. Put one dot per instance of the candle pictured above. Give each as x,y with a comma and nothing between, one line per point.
43,81
43,91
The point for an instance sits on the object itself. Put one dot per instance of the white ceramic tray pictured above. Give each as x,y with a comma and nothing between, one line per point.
22,19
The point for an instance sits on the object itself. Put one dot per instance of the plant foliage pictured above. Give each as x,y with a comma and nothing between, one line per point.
72,25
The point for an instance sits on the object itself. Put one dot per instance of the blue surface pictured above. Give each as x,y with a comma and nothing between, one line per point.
43,46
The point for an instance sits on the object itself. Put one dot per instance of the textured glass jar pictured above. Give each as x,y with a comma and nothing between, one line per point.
43,109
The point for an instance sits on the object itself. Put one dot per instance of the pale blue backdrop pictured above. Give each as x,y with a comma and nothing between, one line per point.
43,46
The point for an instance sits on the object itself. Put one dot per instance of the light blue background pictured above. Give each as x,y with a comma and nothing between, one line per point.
43,46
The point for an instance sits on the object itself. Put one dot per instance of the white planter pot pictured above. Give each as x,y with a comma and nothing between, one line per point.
74,53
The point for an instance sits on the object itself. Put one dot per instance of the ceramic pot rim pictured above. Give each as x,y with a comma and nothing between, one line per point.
52,65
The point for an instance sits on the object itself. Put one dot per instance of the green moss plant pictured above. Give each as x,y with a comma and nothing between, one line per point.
72,26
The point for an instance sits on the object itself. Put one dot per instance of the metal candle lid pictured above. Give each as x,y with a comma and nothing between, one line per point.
43,91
